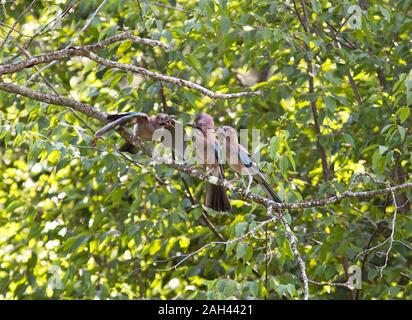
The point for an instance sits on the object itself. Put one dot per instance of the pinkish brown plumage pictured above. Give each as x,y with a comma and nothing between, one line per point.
208,153
240,161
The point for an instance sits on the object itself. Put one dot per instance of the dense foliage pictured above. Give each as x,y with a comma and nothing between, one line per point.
84,222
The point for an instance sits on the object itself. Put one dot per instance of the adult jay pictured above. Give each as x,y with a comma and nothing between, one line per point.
208,153
144,128
241,162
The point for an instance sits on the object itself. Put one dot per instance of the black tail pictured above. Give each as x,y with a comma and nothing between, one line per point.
118,119
260,179
216,197
114,116
128,147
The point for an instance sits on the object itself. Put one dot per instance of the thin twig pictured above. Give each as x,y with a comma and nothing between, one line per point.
86,51
293,245
347,285
74,39
15,24
162,89
230,241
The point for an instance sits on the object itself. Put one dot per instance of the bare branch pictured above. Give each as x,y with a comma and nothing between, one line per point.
76,37
355,88
12,28
230,241
87,23
293,245
346,285
392,235
86,51
128,35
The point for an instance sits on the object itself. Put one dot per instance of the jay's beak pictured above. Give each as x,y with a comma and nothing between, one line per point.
170,123
192,124
220,131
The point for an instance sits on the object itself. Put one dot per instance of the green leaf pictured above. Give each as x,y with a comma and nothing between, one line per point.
14,205
254,288
274,146
74,243
348,139
223,5
385,13
53,157
225,24
408,85
241,250
244,251
315,6
330,104
283,165
240,229
402,132
382,149
155,246
229,248
403,113
376,157
124,46
290,288
184,242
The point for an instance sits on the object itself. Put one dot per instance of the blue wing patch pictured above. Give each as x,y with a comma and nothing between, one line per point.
245,159
218,153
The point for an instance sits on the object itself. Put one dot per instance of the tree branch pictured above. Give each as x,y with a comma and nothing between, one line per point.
191,170
294,247
86,51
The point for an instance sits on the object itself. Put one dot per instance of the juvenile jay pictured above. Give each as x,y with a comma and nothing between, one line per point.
209,154
241,162
144,128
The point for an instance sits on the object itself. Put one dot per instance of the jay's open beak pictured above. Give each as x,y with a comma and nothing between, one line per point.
219,131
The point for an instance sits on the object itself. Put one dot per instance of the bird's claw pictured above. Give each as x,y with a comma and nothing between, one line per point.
209,172
246,192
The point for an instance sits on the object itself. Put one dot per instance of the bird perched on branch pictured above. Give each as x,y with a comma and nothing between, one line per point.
208,153
145,127
241,162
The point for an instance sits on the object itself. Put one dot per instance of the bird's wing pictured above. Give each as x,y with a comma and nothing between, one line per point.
244,157
114,116
120,120
218,152
219,158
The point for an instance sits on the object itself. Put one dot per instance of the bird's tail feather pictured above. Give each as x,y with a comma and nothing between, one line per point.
115,116
117,119
128,147
114,123
260,179
216,197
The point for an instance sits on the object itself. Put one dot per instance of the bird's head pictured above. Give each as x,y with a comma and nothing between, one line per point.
226,131
165,120
202,122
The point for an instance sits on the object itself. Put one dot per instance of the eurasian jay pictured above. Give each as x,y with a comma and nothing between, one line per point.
208,153
241,162
144,128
